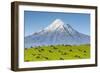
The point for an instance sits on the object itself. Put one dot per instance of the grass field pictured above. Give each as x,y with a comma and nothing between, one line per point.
57,52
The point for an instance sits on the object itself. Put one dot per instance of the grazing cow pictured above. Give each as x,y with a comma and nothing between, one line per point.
59,51
33,54
85,54
77,56
36,48
38,57
61,59
39,50
55,48
65,53
42,49
50,51
84,51
80,50
70,50
46,58
27,60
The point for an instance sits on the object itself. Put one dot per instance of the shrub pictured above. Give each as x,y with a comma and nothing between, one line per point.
31,46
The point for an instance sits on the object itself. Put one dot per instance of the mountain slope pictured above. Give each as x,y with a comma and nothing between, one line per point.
57,33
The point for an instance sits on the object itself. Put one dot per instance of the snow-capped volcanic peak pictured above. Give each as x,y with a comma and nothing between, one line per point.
58,32
55,24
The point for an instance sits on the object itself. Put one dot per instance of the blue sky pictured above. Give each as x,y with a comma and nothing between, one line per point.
35,21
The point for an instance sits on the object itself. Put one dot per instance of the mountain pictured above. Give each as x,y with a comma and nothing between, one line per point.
56,33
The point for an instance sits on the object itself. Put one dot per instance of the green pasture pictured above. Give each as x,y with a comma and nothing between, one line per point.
57,52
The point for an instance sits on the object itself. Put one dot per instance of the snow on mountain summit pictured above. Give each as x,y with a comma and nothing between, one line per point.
59,25
55,24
